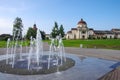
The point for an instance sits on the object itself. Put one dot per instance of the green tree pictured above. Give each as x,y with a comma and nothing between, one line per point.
31,32
17,28
61,31
55,31
42,35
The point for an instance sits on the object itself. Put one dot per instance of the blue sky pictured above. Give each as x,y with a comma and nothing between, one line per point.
99,14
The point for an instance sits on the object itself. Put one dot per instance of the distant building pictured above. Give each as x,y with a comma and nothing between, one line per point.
47,36
116,32
83,32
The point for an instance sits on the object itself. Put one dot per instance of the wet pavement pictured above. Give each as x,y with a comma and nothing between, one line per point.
86,68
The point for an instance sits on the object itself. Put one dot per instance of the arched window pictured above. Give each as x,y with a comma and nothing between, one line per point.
83,32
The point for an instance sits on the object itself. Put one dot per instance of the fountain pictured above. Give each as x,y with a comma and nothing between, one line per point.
36,61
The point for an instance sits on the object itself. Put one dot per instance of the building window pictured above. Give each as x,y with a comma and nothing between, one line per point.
83,32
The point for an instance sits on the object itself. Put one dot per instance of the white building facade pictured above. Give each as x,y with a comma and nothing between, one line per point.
83,32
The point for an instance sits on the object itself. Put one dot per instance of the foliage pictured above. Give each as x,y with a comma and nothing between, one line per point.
42,35
31,32
61,31
55,31
17,28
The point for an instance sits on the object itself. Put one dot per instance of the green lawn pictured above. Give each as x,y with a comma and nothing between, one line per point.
3,44
105,44
108,43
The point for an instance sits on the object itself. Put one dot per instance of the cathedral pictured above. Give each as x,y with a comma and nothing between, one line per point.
83,32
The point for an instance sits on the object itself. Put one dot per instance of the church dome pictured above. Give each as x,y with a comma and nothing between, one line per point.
82,22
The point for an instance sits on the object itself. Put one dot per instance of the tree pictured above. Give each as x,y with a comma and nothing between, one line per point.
55,31
31,32
17,28
61,31
42,35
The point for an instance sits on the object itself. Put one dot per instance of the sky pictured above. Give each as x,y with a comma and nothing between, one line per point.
98,14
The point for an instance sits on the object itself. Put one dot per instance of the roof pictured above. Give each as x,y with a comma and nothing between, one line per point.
109,32
91,29
69,32
82,21
115,29
73,28
102,32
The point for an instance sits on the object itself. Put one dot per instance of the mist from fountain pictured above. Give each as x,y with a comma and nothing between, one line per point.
12,45
52,48
35,58
21,50
61,51
57,51
8,47
37,45
30,52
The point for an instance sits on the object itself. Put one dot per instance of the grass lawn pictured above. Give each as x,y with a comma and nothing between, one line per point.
108,43
105,44
3,44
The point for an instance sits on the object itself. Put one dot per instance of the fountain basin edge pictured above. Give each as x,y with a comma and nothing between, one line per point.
7,68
